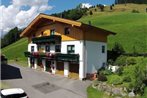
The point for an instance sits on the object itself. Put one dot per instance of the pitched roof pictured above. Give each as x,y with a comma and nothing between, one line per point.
62,20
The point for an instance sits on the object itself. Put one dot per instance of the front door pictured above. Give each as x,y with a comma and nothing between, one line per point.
48,65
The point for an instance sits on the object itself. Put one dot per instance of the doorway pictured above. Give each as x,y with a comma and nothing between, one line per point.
48,65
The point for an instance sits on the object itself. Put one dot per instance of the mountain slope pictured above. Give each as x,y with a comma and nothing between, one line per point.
16,49
131,28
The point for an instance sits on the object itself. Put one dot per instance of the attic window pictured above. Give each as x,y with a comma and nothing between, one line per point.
66,30
52,32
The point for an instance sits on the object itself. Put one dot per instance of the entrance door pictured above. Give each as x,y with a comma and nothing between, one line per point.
48,65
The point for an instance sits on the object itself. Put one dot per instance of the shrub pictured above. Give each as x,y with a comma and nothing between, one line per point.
121,61
135,11
131,61
110,61
102,77
119,71
115,79
126,79
106,72
118,48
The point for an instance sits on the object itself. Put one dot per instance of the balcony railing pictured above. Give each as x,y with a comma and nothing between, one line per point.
56,56
47,39
67,57
46,55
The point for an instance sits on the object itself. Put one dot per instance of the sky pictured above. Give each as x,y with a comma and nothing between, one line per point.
21,12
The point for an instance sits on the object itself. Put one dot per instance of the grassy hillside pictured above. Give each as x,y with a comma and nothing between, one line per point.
131,28
16,49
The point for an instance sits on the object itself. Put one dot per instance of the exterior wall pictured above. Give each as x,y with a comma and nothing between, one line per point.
35,47
78,50
95,57
78,47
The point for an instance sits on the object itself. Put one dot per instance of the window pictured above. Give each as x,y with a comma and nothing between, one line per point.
52,32
38,47
32,48
47,48
70,49
103,64
41,33
66,30
58,48
103,49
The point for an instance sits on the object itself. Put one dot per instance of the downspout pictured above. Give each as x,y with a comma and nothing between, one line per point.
84,54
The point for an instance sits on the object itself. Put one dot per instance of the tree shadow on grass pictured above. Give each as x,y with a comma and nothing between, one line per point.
10,72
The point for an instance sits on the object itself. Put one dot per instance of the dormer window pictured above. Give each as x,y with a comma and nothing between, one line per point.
66,30
52,32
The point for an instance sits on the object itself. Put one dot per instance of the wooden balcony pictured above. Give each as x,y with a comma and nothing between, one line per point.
47,39
55,56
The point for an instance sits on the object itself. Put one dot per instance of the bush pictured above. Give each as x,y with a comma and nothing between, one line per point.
115,79
135,11
106,72
131,61
110,62
102,77
126,79
119,71
121,61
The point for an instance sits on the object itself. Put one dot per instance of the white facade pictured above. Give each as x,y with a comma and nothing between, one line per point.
78,47
90,53
34,50
32,45
95,58
78,50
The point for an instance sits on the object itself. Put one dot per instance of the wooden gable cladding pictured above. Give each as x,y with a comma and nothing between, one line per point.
75,32
92,34
95,36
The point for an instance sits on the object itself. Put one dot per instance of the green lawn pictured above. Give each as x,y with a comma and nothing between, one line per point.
16,49
23,63
131,28
93,93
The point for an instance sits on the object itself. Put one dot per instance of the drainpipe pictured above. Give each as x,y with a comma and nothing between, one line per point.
84,55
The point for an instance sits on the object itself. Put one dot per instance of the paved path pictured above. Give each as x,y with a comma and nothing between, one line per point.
39,84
